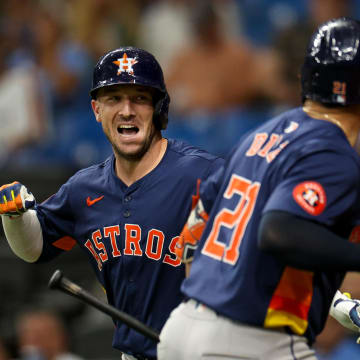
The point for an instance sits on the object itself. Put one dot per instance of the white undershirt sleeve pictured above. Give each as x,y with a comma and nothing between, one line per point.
24,235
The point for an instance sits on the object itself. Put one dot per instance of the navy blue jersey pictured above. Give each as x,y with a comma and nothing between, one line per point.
129,234
292,163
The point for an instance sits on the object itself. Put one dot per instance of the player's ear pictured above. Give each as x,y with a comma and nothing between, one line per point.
96,109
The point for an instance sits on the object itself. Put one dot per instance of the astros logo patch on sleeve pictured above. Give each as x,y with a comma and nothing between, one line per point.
310,195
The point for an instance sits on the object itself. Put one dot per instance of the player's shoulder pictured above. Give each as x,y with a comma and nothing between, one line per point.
313,136
297,129
92,173
281,127
285,122
184,150
190,160
294,135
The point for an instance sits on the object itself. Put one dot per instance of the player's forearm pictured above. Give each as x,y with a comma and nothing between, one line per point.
24,235
306,245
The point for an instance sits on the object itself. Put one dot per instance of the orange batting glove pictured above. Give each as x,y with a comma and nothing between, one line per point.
191,233
15,199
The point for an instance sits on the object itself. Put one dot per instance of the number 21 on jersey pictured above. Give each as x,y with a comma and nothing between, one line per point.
235,220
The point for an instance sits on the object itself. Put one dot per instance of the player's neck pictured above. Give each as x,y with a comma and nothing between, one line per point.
347,118
129,171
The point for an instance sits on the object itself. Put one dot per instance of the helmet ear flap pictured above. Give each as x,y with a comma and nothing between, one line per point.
161,112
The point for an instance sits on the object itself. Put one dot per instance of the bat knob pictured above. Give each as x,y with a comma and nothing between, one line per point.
55,279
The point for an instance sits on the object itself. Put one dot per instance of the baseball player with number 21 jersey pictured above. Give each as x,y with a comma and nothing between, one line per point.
276,221
126,213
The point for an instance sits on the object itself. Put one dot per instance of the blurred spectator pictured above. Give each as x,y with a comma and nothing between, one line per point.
22,113
103,25
64,64
8,348
15,25
162,20
165,26
60,67
290,42
23,119
4,353
42,335
217,72
331,339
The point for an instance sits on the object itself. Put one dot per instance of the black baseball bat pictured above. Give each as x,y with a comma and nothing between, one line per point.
60,282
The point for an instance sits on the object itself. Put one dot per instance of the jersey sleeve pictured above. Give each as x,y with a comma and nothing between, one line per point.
56,219
320,187
209,188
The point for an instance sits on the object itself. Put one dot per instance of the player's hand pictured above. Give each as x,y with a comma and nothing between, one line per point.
15,199
191,233
346,311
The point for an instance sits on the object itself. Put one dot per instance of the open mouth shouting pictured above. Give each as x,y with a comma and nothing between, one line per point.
127,130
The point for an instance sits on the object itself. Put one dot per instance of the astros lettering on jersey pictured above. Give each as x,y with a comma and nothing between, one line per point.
130,233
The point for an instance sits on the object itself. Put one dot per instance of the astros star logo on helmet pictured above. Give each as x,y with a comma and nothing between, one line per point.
125,64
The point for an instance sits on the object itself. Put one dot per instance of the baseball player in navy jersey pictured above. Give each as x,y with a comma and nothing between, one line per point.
126,213
279,222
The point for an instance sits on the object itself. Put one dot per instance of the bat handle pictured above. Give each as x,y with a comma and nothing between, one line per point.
60,282
55,280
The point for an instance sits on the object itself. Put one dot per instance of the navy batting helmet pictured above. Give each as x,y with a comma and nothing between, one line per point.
331,70
131,65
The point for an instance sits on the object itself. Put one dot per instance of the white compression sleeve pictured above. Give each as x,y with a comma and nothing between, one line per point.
24,235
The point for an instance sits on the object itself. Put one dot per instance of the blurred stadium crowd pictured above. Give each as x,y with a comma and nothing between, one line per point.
228,64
